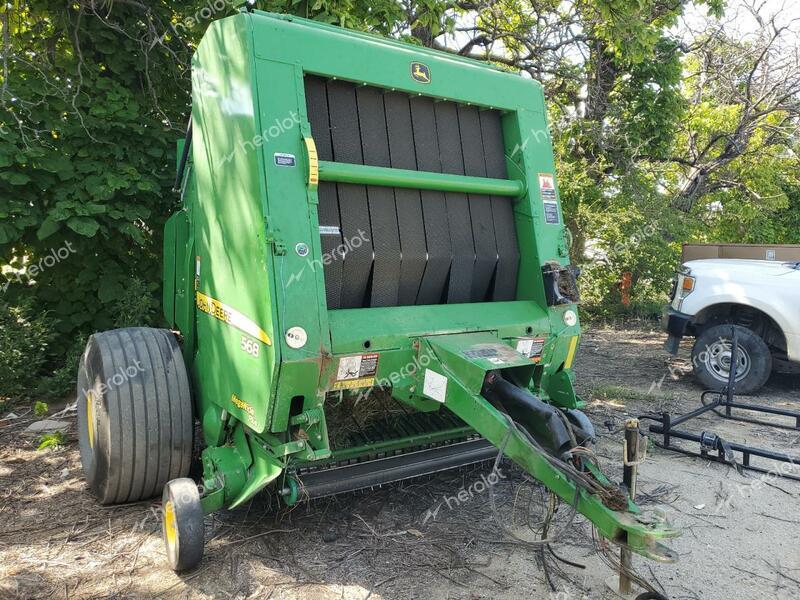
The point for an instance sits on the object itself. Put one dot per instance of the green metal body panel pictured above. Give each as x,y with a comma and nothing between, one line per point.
238,287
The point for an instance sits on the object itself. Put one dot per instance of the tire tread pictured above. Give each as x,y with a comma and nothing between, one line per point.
149,421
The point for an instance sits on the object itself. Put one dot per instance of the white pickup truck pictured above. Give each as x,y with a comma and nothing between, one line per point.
761,299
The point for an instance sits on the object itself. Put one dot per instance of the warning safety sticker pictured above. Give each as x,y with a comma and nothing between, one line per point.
547,186
356,371
531,348
547,191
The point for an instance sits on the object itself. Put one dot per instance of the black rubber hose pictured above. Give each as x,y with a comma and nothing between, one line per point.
584,430
539,418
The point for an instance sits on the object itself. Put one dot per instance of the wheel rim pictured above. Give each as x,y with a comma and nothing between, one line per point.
294,491
90,417
719,358
170,530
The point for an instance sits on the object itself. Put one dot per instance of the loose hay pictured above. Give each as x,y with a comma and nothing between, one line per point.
348,416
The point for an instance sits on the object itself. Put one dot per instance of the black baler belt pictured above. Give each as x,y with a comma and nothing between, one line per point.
353,206
480,207
413,248
459,287
505,280
434,209
401,246
328,209
382,209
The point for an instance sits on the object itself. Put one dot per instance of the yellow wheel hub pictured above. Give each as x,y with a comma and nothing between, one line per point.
90,417
170,528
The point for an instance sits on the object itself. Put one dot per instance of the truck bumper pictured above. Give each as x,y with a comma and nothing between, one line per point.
675,324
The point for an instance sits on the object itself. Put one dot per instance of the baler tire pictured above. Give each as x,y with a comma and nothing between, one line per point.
134,413
182,524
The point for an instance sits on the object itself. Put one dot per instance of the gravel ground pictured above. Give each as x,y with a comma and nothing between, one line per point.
739,533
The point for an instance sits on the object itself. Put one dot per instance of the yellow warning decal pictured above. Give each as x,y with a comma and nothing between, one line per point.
231,316
573,347
351,384
313,161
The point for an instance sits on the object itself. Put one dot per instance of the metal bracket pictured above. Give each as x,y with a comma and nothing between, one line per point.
288,448
710,442
308,417
280,247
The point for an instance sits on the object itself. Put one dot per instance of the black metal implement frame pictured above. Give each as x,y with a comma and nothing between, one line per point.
712,446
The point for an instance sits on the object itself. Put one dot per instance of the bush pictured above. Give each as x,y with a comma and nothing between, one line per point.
139,306
634,233
61,382
24,340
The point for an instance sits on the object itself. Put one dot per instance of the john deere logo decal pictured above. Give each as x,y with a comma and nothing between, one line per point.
420,72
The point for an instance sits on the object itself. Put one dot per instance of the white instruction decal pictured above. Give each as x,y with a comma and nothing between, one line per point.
435,386
524,347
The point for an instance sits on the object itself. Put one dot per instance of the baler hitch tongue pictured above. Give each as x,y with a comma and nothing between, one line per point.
550,443
557,443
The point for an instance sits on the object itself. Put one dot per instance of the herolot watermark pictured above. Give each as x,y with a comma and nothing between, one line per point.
275,130
539,136
337,253
464,495
122,375
31,271
392,379
204,13
745,490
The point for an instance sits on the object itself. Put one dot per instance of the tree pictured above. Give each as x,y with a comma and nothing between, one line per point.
744,93
90,115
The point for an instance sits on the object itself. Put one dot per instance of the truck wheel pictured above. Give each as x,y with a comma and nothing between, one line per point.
134,413
182,524
711,357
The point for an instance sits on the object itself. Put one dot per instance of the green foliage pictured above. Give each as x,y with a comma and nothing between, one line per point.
87,159
139,305
40,409
24,340
52,441
646,104
61,382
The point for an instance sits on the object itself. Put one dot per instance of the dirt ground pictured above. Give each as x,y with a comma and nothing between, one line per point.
740,534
